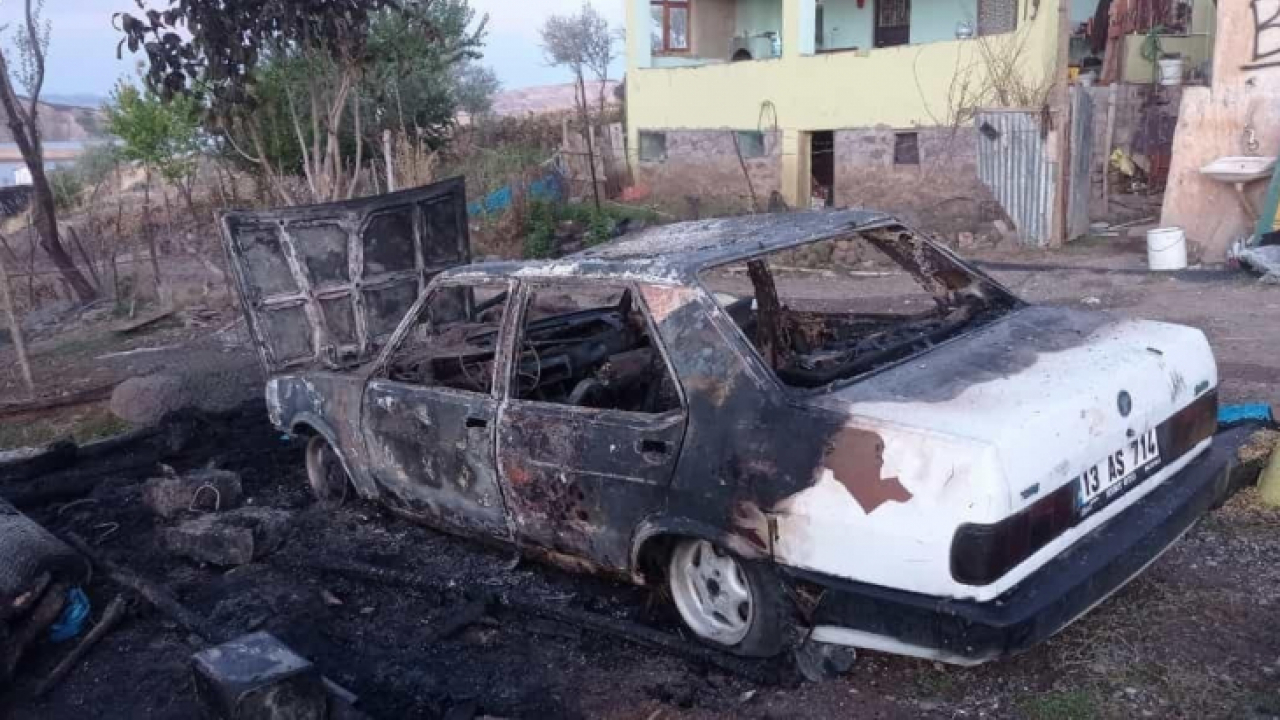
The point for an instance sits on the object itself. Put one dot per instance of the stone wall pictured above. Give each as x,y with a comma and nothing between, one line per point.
940,195
703,164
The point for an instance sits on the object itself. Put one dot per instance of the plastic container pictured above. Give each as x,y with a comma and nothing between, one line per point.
1166,249
1170,70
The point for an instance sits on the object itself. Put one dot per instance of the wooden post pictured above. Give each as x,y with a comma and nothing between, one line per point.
386,153
1112,101
1060,111
15,329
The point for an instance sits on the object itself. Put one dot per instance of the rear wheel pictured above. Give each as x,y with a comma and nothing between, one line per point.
736,605
325,473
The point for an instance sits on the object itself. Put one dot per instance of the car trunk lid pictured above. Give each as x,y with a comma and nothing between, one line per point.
1053,390
327,284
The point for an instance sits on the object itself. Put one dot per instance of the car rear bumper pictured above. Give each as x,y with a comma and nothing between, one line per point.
968,632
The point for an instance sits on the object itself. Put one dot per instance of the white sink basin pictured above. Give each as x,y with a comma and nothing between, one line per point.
1239,169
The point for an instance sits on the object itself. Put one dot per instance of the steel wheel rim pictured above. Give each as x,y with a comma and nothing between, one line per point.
711,591
325,473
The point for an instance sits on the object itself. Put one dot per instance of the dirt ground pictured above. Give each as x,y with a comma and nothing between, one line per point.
1197,635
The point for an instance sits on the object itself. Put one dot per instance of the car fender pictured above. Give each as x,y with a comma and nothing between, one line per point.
320,426
656,526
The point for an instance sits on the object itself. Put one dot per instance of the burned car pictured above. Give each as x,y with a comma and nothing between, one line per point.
900,456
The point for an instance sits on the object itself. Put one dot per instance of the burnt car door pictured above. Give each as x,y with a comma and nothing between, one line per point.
328,284
431,407
590,433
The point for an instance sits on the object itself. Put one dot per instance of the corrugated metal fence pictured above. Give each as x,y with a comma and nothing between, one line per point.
1012,164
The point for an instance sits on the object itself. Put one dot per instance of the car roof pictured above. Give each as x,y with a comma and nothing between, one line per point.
677,252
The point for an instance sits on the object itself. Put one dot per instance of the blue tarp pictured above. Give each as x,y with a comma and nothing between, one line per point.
550,187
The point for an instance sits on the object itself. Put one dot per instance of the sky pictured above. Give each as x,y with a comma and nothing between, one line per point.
82,53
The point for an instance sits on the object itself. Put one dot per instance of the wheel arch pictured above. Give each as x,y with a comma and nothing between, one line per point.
653,540
307,424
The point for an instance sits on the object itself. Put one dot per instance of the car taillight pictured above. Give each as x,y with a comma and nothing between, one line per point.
981,554
1190,426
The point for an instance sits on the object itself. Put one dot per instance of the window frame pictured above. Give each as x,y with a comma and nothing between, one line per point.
667,6
904,140
739,135
502,354
524,298
640,146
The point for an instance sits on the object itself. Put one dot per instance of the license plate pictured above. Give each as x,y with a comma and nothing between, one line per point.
1118,472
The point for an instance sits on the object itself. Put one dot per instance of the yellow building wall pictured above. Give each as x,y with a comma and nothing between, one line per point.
1137,69
901,87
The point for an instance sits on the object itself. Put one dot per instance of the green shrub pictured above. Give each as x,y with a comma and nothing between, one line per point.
66,185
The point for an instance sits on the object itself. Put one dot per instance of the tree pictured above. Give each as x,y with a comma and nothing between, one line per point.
474,88
32,43
316,69
164,136
582,43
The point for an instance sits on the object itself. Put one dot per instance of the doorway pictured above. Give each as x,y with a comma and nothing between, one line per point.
893,22
822,164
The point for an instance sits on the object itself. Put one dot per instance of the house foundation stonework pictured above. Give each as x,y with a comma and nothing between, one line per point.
940,191
928,176
702,167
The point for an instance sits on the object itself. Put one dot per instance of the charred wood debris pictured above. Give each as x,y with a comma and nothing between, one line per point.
197,491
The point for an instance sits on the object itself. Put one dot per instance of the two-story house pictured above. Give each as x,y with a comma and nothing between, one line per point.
848,102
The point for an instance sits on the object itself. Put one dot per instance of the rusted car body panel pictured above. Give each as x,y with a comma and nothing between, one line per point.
887,468
329,283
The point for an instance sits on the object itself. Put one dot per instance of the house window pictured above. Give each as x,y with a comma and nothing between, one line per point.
653,147
669,25
750,144
906,148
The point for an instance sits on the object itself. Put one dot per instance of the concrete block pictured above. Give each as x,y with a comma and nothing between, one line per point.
237,537
200,490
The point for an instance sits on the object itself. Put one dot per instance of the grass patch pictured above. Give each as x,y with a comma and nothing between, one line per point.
1060,705
937,683
82,425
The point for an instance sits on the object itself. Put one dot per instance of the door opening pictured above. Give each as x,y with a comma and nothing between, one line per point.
893,22
822,164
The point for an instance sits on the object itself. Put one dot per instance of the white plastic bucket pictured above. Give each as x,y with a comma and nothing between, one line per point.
1166,249
1170,71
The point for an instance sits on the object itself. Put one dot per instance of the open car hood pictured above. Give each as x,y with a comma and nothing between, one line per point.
327,284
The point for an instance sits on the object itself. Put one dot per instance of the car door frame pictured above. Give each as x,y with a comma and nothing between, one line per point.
586,512
455,516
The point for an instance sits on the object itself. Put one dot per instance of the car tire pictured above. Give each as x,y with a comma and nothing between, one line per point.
727,602
326,474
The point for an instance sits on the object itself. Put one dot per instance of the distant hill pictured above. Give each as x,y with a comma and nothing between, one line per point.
82,100
547,98
60,123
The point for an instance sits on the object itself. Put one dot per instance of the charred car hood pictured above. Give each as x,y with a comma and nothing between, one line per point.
1041,387
329,283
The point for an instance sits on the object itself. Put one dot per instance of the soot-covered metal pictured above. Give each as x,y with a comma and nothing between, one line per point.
565,472
605,409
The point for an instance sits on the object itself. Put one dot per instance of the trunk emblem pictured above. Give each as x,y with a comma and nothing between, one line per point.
1124,403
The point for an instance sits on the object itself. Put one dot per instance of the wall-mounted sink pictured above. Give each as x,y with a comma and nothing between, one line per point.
1239,169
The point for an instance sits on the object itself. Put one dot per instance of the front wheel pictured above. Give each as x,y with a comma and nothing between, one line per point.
325,473
730,603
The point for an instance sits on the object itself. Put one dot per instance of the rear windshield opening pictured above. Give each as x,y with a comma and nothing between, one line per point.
835,309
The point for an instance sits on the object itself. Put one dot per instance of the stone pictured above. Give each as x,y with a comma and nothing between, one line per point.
237,537
965,240
204,490
144,401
